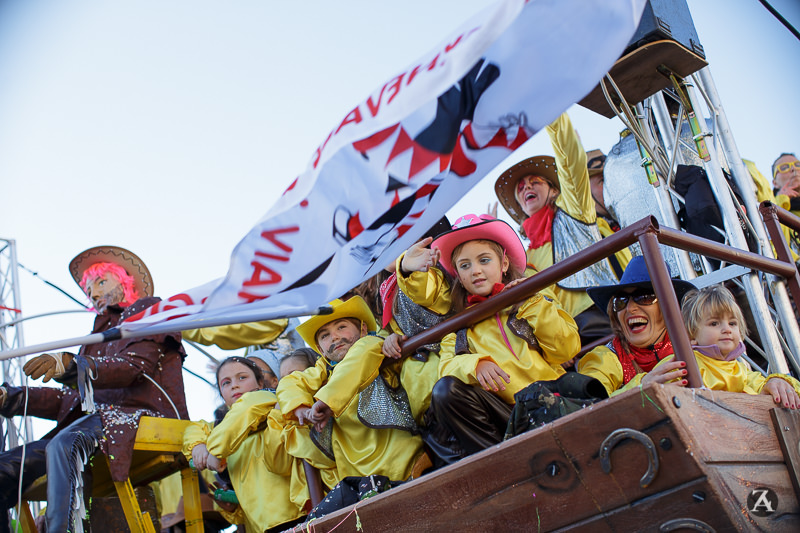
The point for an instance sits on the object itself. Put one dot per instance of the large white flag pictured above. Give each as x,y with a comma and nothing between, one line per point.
407,153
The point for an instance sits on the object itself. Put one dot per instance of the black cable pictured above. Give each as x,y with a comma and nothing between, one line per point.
200,378
56,287
780,18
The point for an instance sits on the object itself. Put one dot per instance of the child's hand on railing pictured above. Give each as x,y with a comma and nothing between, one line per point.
392,346
200,457
782,393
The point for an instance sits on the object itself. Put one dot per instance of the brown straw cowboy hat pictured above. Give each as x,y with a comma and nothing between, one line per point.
506,184
134,266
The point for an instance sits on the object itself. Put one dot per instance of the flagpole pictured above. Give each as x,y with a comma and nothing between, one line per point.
114,334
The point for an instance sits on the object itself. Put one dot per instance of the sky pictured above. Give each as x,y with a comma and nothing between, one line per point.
170,128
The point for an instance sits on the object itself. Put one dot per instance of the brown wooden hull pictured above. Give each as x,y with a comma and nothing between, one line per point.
712,448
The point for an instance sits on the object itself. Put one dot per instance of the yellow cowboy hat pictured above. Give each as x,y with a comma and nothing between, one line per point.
355,307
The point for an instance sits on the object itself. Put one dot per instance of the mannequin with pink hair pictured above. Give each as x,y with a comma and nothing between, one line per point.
117,383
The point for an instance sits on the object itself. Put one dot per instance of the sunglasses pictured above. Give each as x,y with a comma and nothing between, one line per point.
643,297
786,167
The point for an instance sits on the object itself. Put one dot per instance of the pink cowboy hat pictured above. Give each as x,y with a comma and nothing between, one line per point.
483,227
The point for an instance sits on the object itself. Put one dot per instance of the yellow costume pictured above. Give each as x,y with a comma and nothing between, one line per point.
358,450
575,200
554,330
431,291
764,193
235,336
269,483
733,376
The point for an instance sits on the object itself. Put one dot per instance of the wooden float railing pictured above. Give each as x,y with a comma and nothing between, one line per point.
773,217
648,234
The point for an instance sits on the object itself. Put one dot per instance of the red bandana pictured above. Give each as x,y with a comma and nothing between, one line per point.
539,227
388,291
645,358
477,298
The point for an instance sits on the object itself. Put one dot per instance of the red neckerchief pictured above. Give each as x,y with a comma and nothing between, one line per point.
645,358
388,291
477,298
539,227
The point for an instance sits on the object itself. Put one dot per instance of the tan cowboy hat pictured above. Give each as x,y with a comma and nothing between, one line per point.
134,266
355,307
595,161
506,184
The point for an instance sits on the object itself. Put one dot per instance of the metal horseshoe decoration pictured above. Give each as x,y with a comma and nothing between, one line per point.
686,523
626,433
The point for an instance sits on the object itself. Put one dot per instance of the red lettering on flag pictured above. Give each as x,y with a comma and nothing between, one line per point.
265,255
353,117
270,235
262,275
394,85
373,107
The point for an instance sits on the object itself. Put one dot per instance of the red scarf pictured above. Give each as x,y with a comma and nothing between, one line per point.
388,291
645,358
539,227
473,299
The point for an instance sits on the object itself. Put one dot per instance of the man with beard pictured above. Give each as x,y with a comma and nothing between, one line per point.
360,413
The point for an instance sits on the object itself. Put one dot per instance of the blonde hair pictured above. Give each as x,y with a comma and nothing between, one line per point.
715,300
458,295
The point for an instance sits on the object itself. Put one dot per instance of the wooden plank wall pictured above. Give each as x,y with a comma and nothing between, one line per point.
713,449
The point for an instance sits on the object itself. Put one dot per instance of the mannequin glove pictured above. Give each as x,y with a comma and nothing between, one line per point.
49,365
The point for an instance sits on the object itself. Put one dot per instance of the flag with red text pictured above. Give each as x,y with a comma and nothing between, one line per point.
408,152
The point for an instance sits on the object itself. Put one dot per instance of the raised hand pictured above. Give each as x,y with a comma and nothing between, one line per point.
419,258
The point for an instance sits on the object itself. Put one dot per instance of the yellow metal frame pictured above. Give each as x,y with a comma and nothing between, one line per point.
164,436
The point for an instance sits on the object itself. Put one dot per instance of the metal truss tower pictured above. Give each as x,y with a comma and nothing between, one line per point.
11,336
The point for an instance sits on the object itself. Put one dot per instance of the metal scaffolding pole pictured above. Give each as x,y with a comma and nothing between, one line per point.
664,201
752,284
11,333
780,296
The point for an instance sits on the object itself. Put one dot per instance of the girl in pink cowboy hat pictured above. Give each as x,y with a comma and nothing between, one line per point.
484,365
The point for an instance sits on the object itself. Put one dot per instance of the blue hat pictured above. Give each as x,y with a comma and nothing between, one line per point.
635,275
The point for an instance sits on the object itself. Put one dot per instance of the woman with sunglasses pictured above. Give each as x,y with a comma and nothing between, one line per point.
552,201
640,339
786,176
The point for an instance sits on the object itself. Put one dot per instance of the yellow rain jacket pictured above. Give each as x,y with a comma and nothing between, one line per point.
731,376
358,450
555,331
269,483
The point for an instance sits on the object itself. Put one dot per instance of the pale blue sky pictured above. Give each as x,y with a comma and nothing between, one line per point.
170,127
